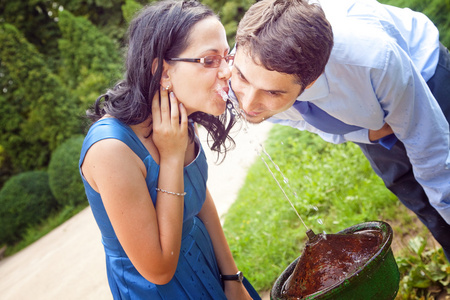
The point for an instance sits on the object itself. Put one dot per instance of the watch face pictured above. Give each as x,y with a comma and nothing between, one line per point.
240,276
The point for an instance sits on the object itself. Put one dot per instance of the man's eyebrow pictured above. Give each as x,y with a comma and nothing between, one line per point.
270,91
240,72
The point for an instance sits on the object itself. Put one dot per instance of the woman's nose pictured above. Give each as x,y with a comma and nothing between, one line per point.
224,70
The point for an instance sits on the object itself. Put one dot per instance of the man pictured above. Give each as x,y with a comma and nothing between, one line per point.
360,71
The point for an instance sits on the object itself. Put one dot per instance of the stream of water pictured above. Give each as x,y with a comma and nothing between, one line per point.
264,155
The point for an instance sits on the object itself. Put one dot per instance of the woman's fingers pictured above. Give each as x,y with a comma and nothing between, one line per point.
156,112
184,118
160,108
165,111
174,114
170,122
171,115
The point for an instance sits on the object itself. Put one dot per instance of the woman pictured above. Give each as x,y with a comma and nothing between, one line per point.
144,170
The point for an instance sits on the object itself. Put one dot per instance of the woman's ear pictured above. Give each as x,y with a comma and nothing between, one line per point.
154,66
165,76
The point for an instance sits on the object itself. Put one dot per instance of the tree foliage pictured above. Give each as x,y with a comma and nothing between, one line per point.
86,50
37,111
129,9
230,12
36,21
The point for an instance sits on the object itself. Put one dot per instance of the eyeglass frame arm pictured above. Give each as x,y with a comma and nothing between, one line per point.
195,60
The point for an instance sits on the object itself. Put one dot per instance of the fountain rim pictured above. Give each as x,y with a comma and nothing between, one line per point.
383,250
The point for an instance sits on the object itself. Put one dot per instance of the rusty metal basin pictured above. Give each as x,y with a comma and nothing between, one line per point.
378,278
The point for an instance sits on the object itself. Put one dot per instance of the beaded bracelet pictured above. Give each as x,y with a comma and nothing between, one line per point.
172,193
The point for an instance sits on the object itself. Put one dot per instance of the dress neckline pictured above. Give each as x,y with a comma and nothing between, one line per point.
141,145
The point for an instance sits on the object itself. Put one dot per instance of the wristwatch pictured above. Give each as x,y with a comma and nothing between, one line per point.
238,277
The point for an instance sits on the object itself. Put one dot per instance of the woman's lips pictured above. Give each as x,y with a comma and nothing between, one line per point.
223,92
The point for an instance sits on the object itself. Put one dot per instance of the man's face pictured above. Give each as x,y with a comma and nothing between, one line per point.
261,93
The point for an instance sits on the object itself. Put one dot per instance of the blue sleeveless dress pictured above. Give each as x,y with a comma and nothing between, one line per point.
197,275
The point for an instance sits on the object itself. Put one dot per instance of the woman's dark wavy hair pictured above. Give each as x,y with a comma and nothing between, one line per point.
159,31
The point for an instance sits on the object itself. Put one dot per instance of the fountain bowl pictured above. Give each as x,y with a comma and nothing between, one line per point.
377,279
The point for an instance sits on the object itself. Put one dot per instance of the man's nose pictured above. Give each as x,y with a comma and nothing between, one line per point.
249,100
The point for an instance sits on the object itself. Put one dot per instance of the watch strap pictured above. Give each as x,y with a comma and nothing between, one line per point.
236,277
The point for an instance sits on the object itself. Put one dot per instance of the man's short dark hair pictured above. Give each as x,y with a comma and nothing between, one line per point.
287,36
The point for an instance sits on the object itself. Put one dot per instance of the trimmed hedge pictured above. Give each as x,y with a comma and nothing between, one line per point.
64,176
25,200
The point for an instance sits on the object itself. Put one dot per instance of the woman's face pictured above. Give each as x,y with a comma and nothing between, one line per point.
197,87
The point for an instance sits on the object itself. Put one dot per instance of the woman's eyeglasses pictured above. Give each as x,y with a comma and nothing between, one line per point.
210,61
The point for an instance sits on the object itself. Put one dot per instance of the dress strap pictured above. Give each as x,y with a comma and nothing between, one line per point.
112,128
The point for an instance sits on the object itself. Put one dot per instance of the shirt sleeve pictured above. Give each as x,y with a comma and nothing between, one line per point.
417,120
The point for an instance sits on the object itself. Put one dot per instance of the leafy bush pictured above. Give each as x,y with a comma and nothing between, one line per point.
64,177
424,274
25,200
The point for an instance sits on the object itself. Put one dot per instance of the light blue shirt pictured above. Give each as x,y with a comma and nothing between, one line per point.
380,62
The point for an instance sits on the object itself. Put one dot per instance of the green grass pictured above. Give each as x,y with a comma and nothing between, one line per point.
264,232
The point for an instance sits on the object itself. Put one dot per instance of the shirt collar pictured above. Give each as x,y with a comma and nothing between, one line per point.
319,89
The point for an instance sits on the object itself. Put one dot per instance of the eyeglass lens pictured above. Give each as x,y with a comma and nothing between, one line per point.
214,61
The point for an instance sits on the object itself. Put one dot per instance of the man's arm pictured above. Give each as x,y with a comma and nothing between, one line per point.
417,120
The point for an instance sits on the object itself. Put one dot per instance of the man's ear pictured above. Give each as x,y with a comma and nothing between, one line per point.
165,76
